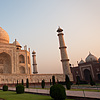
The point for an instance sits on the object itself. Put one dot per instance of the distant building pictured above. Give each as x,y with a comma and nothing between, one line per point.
91,66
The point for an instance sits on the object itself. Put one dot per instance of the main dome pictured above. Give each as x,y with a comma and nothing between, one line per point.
4,37
90,58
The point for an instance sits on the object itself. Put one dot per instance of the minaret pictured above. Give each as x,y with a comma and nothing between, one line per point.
64,56
34,63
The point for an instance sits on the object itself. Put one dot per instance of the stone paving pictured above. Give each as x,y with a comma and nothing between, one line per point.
68,93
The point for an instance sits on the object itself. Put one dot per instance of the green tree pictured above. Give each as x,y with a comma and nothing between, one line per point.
43,83
17,82
68,83
57,92
57,81
27,83
91,81
50,81
22,82
53,79
77,80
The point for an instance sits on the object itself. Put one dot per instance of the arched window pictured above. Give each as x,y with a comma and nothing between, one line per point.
22,70
5,63
21,59
98,76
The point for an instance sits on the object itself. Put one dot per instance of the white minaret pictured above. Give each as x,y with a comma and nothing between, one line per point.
64,56
34,63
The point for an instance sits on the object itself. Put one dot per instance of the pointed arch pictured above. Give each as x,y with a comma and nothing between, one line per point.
21,59
5,63
22,70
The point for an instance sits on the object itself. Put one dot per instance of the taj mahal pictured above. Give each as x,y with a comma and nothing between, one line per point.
15,62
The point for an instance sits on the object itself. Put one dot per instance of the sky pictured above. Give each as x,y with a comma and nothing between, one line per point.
34,23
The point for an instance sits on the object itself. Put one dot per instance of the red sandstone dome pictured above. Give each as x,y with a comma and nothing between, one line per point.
4,37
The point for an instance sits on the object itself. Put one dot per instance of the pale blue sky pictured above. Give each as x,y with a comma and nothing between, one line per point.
34,23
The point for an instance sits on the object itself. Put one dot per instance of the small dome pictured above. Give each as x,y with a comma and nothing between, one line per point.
33,52
4,37
90,58
81,62
16,43
59,30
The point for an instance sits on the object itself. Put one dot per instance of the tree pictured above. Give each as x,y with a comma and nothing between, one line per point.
68,83
50,81
77,80
57,92
57,81
19,89
27,83
17,82
53,79
22,82
43,83
91,81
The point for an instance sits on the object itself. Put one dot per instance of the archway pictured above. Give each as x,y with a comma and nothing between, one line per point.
87,74
5,63
22,70
21,59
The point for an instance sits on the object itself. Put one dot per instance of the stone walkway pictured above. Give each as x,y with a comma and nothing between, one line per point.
68,93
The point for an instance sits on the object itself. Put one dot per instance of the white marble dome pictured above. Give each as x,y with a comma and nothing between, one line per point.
91,58
81,62
4,37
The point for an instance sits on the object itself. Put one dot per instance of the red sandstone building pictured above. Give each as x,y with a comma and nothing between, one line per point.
91,66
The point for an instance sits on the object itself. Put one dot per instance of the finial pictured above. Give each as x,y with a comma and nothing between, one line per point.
33,52
89,52
59,29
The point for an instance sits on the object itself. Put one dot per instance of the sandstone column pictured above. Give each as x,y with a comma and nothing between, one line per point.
64,56
34,63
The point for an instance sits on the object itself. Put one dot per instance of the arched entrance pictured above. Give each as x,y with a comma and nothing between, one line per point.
22,70
87,74
5,63
98,76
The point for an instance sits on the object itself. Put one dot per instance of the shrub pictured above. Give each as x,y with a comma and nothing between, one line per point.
22,82
50,81
17,82
5,88
57,92
19,89
27,83
43,83
53,79
68,83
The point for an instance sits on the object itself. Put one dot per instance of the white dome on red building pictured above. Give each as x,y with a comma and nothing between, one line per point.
91,58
